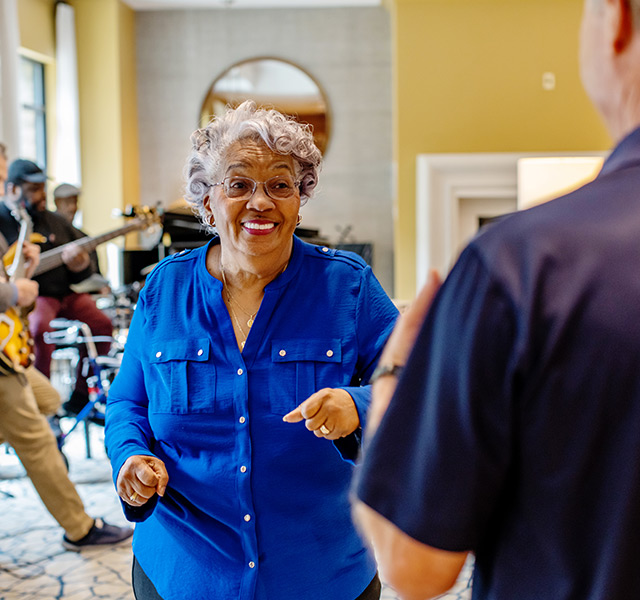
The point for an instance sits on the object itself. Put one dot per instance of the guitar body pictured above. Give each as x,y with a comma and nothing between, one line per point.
10,254
16,346
16,343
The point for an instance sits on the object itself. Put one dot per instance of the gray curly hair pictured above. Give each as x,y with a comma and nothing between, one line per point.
283,135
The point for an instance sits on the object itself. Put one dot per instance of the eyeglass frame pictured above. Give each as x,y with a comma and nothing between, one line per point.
296,183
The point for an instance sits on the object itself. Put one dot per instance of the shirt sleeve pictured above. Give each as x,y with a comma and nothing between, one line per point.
127,430
437,465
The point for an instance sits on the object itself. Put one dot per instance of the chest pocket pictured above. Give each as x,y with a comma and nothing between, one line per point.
300,368
181,379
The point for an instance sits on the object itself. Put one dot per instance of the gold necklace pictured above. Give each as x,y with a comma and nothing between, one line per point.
244,335
232,299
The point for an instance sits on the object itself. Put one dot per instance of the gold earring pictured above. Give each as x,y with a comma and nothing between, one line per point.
299,220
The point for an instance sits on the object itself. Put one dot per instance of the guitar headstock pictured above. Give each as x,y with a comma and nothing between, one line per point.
145,215
20,213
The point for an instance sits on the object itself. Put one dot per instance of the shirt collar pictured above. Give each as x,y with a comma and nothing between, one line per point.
287,275
625,154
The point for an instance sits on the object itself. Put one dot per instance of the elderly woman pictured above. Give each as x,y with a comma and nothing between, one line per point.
242,392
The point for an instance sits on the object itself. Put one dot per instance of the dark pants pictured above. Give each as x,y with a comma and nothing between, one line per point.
143,589
80,307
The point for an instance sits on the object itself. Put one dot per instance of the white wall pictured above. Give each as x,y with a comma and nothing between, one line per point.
347,50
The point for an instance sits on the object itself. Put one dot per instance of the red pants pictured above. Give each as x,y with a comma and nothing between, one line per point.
79,307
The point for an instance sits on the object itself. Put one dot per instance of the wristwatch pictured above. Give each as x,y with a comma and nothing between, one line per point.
385,371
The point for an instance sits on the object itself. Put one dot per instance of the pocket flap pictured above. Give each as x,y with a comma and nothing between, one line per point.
188,349
325,350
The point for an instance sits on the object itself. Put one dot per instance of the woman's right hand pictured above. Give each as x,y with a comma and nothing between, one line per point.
140,478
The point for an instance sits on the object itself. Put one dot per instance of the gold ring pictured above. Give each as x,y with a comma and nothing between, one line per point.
133,496
324,430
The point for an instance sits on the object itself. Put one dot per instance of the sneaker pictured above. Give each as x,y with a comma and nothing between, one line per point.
100,534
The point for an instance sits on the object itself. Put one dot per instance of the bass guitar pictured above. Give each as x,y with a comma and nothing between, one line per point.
16,343
144,217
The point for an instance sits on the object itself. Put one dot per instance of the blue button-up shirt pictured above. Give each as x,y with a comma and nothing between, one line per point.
255,507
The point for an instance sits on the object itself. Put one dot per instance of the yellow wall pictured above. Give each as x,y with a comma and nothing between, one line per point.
105,32
37,26
128,107
106,64
468,78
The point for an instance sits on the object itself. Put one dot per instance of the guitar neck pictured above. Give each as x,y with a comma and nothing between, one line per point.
51,259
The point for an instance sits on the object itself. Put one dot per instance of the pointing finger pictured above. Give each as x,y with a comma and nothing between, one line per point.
295,416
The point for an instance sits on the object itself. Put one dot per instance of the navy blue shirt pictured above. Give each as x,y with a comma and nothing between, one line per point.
255,507
514,432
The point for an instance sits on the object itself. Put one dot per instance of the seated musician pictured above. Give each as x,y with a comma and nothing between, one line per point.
66,197
26,185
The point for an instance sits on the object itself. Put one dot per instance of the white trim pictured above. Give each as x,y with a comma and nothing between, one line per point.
444,179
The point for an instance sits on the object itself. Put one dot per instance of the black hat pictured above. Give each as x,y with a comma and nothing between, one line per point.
21,170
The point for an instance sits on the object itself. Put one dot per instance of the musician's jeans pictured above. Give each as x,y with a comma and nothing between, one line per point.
25,428
80,307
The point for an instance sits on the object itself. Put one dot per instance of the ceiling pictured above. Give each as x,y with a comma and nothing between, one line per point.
237,4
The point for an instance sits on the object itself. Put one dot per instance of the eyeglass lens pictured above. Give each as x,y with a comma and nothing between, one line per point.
279,187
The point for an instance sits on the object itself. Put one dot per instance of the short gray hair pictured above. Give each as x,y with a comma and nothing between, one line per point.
282,134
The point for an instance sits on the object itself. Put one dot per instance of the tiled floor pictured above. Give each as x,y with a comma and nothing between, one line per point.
33,564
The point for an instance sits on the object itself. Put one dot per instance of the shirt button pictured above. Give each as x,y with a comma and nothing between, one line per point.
158,354
242,419
325,249
200,352
243,469
329,353
282,353
247,518
251,564
240,371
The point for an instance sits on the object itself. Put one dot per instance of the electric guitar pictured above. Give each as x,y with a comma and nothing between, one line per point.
16,343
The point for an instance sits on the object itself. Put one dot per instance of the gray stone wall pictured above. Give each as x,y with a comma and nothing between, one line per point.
347,50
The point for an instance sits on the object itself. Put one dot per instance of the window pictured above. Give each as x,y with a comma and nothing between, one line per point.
33,142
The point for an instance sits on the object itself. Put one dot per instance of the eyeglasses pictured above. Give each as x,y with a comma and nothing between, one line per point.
280,187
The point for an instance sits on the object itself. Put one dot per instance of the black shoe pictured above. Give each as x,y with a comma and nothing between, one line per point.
100,534
76,402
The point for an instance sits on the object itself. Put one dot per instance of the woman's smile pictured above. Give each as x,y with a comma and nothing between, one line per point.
259,226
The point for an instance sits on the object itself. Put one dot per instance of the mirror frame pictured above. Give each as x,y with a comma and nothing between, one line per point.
207,111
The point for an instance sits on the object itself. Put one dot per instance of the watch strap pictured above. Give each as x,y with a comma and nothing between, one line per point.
385,371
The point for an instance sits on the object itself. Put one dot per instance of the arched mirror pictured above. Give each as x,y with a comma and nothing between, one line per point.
271,83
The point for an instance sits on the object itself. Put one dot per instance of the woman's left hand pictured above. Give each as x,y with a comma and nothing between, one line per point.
329,413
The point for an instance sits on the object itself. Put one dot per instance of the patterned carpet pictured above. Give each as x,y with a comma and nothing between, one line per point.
33,564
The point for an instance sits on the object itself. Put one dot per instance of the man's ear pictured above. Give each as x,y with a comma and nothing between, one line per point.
620,17
13,189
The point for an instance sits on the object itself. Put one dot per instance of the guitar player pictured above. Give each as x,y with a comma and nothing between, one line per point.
24,402
26,185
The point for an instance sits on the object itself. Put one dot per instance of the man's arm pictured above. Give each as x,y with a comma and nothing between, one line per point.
415,570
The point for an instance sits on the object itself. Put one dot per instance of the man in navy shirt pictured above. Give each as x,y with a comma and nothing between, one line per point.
514,429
